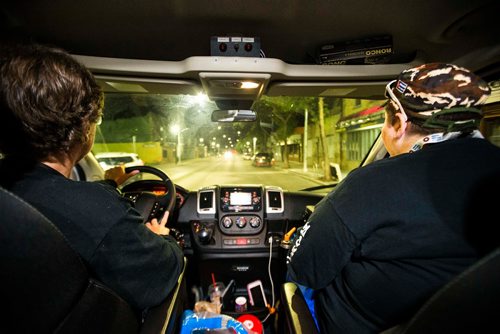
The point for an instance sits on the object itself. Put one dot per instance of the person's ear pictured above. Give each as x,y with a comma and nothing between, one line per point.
400,125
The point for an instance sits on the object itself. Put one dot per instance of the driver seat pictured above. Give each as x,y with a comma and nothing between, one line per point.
46,288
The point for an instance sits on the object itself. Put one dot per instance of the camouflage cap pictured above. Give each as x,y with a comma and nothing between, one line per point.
437,86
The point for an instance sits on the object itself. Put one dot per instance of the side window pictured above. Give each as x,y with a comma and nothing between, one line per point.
492,130
359,143
490,126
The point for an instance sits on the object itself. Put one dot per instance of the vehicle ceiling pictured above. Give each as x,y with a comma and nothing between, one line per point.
168,33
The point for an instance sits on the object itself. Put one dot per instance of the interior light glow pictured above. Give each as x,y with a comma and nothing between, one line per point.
249,85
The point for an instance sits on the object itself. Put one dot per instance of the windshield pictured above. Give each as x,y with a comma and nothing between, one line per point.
306,142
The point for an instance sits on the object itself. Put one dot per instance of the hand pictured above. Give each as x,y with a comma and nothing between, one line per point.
118,174
159,228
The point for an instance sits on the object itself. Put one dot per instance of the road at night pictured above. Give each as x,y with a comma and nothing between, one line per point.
193,174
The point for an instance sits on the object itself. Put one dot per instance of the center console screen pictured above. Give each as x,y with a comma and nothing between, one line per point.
237,199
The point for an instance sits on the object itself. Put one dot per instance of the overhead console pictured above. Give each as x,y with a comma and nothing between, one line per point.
235,216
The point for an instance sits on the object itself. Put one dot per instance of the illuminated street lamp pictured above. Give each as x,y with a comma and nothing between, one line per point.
202,141
176,130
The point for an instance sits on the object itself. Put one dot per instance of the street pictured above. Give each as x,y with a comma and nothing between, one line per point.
197,173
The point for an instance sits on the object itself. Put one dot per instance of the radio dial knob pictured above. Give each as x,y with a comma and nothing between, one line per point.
255,222
227,222
241,222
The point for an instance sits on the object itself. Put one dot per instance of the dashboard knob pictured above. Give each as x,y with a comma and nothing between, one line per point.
227,222
255,222
241,222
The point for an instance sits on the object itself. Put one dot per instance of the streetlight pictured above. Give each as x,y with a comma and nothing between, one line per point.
254,144
176,130
202,140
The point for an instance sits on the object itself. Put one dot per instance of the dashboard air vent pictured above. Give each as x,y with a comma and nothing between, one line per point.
274,200
206,201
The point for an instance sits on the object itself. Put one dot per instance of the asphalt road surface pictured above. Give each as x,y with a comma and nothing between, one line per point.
194,174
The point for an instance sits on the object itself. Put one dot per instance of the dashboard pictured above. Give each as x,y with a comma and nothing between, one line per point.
232,218
228,218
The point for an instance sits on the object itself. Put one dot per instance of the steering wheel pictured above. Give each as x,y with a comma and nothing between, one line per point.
150,203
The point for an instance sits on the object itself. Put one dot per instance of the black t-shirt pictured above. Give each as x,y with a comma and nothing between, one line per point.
104,229
395,231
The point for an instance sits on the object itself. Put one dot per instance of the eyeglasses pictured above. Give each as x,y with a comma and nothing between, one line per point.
390,95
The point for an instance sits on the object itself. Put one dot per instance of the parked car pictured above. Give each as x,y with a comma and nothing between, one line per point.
263,159
108,160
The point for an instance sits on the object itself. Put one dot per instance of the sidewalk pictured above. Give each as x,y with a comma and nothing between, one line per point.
312,174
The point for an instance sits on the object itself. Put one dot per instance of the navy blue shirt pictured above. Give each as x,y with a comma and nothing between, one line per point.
393,232
104,229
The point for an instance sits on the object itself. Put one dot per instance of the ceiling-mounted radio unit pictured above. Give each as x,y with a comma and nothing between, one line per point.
370,50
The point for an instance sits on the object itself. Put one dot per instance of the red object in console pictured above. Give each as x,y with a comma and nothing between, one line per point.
251,322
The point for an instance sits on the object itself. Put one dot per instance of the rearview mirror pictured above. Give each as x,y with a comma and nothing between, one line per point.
233,116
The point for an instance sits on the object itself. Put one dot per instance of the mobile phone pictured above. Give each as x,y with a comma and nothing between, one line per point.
256,294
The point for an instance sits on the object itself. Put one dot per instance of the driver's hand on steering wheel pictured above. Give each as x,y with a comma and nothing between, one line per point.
160,227
118,174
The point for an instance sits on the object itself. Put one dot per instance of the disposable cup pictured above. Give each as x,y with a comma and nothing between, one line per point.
240,304
215,293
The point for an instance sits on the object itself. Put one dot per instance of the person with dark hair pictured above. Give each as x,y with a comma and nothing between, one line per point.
395,231
50,106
